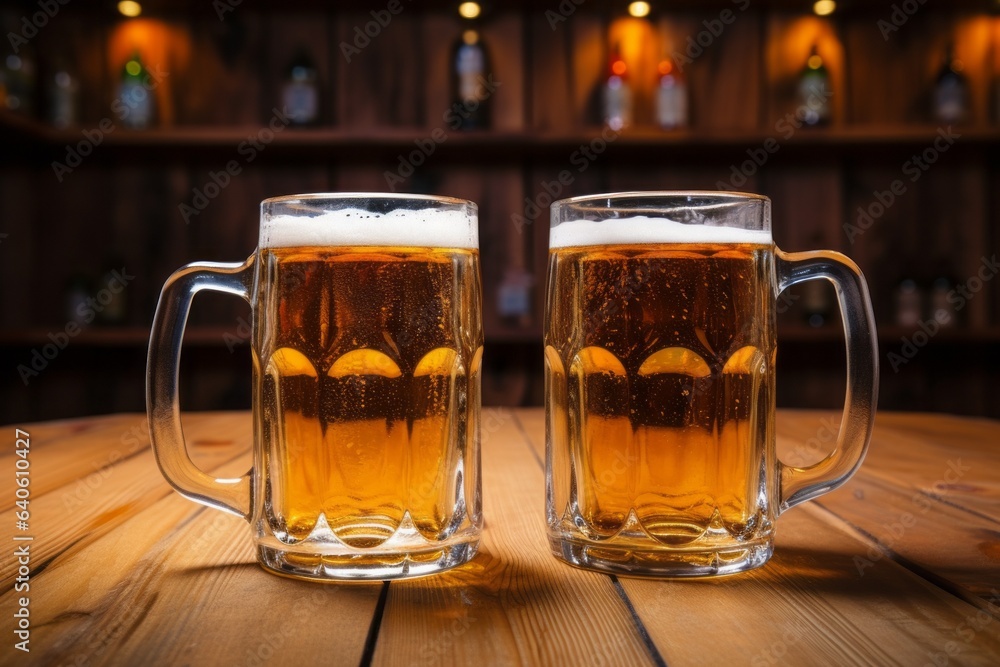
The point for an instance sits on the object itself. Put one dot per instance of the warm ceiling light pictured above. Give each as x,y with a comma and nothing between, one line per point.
639,9
469,10
824,7
129,8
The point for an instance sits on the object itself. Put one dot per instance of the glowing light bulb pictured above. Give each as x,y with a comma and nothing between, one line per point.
824,7
129,8
639,9
469,10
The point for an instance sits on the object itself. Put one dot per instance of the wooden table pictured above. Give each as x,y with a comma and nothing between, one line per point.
901,566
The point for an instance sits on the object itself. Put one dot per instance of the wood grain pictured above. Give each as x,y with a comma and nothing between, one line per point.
131,569
830,590
514,604
136,571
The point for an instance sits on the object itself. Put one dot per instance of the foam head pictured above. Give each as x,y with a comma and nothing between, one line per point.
454,226
642,230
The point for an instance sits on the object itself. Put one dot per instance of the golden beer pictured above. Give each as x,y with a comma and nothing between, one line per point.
658,363
659,370
367,366
367,344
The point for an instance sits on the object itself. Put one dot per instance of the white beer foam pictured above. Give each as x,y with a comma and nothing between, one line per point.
642,229
422,228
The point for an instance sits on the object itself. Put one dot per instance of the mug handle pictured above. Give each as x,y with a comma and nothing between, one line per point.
801,484
162,405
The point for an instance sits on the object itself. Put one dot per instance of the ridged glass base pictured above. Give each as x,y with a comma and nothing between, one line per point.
662,561
365,567
369,550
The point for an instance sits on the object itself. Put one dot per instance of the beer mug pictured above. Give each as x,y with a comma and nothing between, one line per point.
367,344
659,369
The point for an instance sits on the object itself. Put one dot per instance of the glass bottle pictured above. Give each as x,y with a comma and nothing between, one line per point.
671,96
300,92
617,96
814,90
471,105
137,101
951,90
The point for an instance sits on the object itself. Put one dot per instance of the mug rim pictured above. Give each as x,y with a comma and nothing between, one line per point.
392,196
650,194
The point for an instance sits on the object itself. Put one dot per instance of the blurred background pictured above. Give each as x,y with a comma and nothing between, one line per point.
139,136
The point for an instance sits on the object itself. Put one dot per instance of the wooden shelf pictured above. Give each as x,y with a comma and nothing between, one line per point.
326,142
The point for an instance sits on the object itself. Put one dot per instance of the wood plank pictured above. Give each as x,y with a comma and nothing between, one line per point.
503,36
728,70
174,579
383,84
514,604
813,599
913,451
112,486
910,528
810,601
548,62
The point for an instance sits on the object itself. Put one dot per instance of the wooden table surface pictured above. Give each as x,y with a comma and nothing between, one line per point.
899,567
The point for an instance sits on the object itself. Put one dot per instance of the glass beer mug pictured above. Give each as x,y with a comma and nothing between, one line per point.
367,344
659,368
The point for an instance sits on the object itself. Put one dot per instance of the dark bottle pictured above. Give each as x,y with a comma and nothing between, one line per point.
17,83
909,303
951,90
300,92
136,95
943,298
63,98
814,90
470,92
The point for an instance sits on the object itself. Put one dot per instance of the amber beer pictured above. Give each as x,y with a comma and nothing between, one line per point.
367,345
660,381
368,367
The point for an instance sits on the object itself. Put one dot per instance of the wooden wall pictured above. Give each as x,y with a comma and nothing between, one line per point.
122,204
